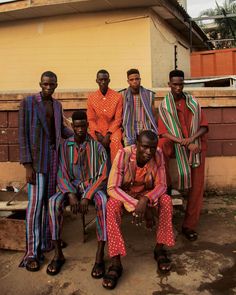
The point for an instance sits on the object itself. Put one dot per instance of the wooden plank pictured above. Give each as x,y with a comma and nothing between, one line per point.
12,234
14,206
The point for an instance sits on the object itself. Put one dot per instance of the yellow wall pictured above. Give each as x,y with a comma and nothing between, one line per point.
75,47
163,41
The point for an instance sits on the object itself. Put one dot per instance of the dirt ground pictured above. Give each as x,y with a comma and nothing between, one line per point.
206,266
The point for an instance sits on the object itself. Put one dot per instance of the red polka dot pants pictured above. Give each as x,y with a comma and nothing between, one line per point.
164,233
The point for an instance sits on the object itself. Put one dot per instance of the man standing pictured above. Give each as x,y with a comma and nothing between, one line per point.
104,111
137,181
40,130
82,174
138,108
182,127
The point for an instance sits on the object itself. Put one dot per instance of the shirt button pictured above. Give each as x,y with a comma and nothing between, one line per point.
104,110
104,98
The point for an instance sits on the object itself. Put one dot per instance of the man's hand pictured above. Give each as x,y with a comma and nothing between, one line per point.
74,203
186,141
106,140
99,136
30,174
140,209
194,148
84,206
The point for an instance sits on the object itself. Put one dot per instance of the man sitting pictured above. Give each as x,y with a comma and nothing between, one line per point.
137,181
82,173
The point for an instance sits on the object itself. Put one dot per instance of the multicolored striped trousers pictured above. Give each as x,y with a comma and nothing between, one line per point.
57,204
38,235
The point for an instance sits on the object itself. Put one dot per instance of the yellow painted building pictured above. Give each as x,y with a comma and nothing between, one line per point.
77,38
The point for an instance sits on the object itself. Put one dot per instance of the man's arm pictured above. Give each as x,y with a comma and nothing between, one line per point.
116,124
115,181
101,175
160,180
92,118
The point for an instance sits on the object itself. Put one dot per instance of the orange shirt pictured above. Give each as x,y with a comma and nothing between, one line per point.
104,112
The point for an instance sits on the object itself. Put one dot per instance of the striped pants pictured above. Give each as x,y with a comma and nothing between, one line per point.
57,204
164,232
38,236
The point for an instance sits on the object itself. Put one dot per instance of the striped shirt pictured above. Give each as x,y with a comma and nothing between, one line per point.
127,181
82,168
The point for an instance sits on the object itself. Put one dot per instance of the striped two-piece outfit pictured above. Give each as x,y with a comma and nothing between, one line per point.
82,171
37,150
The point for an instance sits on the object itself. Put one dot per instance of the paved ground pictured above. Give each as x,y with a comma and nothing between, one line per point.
206,266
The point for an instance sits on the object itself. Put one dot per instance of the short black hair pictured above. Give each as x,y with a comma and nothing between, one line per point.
103,72
132,71
150,134
49,74
79,115
176,73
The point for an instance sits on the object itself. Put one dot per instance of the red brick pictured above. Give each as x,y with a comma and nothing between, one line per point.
13,153
13,119
214,115
222,131
3,135
229,115
12,135
214,148
229,148
3,153
3,119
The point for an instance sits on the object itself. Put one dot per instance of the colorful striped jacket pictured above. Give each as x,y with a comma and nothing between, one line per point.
123,172
129,124
34,138
82,168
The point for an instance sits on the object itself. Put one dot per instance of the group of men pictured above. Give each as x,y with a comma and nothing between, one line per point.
112,157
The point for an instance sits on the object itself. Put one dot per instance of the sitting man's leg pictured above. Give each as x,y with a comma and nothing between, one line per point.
100,200
56,207
116,245
115,144
164,234
167,147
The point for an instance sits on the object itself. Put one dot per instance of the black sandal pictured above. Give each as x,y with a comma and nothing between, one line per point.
189,234
98,270
29,267
56,265
163,262
113,278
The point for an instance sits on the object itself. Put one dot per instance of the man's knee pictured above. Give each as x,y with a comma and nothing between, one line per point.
113,205
165,201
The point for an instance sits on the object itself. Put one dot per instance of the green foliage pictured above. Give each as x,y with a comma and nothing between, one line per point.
224,28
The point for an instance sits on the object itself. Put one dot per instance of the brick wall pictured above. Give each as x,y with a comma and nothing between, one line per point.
222,131
219,106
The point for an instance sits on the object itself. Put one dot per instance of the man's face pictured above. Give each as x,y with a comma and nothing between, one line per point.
146,149
80,128
176,85
103,81
48,85
134,81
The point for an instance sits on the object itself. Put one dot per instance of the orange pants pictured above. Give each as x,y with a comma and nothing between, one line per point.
115,143
195,197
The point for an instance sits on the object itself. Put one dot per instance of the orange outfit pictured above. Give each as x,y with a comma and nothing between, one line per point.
105,115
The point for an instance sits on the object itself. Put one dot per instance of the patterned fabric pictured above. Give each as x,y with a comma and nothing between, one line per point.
169,116
36,148
137,114
38,234
164,230
121,182
105,115
57,204
34,141
82,168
